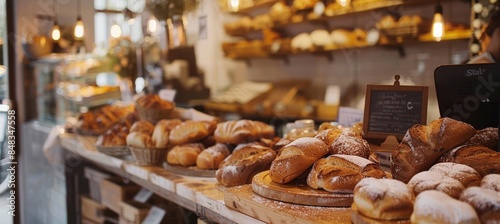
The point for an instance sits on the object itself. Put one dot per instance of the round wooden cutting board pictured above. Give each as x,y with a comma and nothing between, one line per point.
297,192
358,218
188,171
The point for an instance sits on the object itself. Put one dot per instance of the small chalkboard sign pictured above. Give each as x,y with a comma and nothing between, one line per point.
392,110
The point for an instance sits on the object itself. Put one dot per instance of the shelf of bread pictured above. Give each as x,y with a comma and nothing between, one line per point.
322,41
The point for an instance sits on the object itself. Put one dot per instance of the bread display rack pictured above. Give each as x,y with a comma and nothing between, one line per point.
275,42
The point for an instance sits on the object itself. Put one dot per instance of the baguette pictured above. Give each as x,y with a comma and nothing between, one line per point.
295,158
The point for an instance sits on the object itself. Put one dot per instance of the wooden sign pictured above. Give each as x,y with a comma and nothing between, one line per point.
392,110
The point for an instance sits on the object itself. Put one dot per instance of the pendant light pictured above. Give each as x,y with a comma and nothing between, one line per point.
438,23
152,24
116,30
234,5
79,29
56,31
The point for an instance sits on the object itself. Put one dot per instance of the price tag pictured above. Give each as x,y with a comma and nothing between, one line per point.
167,94
155,215
332,95
143,195
349,116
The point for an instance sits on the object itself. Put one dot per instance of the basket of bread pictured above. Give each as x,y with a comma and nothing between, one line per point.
444,172
152,108
201,148
408,27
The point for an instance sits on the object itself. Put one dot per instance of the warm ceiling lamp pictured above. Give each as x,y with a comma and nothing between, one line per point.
116,30
152,24
56,31
438,23
79,29
234,4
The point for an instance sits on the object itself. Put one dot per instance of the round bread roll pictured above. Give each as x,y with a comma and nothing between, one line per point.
321,37
184,155
428,180
143,126
243,164
302,42
359,36
437,207
486,203
341,173
280,13
139,140
328,136
210,158
341,37
348,144
295,158
463,173
112,139
386,22
491,181
385,199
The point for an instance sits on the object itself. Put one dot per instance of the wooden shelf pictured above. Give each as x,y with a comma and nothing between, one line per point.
462,34
262,5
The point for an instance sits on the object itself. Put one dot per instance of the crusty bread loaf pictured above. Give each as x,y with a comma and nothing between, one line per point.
191,131
437,207
483,160
112,139
184,155
139,140
422,146
162,130
328,136
428,180
486,202
242,131
384,199
295,158
463,173
211,157
340,173
142,126
243,164
491,181
487,137
344,142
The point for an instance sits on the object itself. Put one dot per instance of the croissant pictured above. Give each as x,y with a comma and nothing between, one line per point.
242,131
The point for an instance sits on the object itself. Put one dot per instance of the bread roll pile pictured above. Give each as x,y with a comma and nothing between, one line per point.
334,160
144,134
431,197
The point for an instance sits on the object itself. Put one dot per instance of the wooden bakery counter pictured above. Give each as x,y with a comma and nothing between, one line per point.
203,195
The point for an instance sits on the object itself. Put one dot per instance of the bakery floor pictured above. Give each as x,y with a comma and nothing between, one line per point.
4,216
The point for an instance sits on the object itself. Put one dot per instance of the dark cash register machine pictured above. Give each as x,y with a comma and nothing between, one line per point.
469,93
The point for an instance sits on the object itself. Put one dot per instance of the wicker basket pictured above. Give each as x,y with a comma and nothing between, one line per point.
116,151
154,115
148,156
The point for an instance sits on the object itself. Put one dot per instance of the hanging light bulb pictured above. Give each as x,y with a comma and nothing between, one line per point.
116,30
56,32
344,3
438,23
152,24
79,29
234,4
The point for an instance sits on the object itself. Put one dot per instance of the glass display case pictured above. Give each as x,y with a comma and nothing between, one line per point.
69,84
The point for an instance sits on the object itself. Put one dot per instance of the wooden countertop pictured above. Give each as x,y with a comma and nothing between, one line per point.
205,196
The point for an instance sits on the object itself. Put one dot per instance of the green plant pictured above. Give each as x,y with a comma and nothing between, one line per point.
165,9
